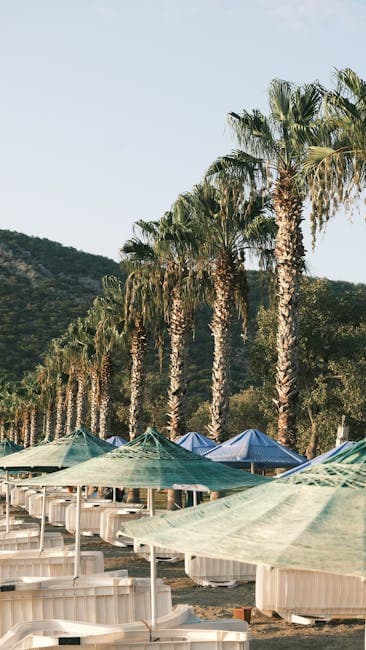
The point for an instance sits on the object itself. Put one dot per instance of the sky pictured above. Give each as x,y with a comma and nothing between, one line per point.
110,108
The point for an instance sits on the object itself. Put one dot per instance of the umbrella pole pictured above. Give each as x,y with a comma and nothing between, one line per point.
77,533
43,519
7,512
252,468
194,498
114,490
152,566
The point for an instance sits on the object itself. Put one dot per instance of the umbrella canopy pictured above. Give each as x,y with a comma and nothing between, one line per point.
254,447
151,461
196,442
63,452
319,459
117,441
313,520
8,447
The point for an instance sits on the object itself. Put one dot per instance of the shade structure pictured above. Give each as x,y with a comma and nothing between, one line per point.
314,520
8,447
252,447
151,461
196,442
117,441
331,453
69,450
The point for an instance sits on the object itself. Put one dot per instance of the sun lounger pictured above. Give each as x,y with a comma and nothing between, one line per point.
162,554
111,521
90,515
217,573
28,538
51,562
309,594
107,598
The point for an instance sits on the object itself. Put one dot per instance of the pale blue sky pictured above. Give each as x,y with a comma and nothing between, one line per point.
110,108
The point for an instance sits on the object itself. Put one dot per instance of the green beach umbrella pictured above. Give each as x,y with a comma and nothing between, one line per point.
8,447
69,450
314,521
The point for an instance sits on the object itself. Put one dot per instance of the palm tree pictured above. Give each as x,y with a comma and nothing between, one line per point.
227,225
279,143
169,246
108,337
337,171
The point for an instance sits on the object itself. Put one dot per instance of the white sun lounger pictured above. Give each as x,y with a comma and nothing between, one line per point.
217,573
90,515
193,634
104,598
51,562
111,521
309,594
35,502
28,538
162,554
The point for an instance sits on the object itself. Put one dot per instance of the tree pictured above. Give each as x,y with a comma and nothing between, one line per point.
337,171
228,224
279,143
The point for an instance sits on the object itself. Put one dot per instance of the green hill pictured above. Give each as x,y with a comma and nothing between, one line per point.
43,286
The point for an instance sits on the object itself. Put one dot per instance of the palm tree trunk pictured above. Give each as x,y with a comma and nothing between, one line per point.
26,428
59,410
105,394
223,278
289,253
2,430
94,399
49,422
71,401
138,349
33,426
80,399
178,330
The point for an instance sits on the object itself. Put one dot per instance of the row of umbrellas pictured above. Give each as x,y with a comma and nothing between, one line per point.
312,520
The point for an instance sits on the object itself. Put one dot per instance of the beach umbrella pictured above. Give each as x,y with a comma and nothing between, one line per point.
196,442
117,441
313,520
151,461
8,447
318,459
67,451
254,449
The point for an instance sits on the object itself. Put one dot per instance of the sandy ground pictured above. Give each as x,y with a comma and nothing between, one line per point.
267,633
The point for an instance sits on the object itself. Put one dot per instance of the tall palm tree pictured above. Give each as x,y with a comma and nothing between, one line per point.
337,171
169,246
279,143
227,226
109,336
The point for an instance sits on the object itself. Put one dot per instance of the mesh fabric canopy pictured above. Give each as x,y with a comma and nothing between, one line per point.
195,442
319,526
8,447
64,452
253,446
151,461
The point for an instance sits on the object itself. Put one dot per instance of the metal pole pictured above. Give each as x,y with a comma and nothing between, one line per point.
194,498
7,520
252,468
152,567
77,533
114,492
43,519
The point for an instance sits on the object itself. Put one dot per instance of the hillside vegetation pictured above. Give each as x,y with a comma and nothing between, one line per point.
43,286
